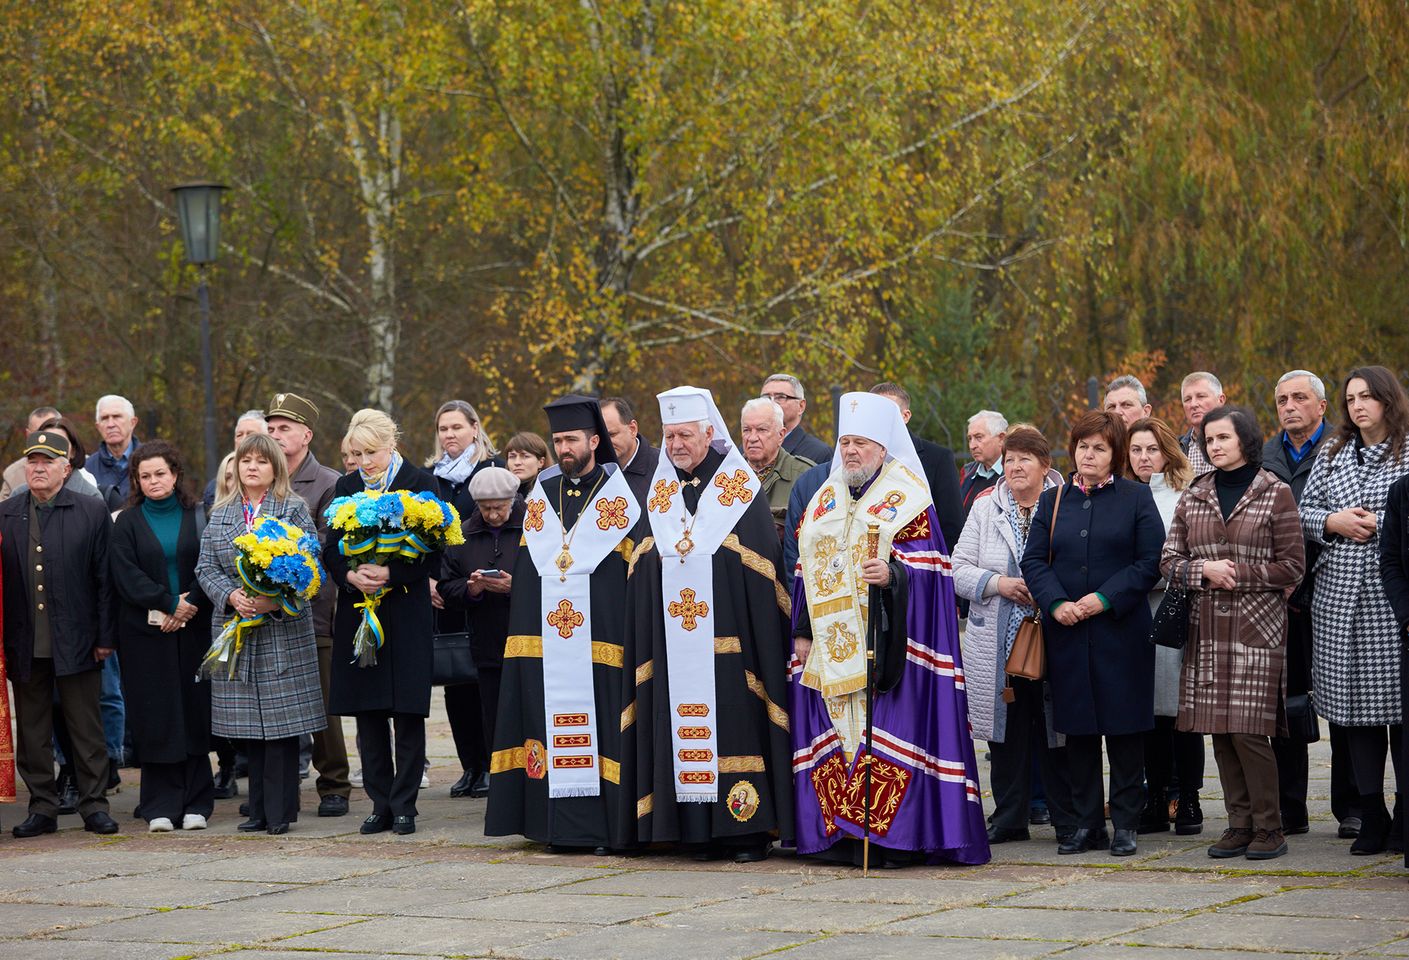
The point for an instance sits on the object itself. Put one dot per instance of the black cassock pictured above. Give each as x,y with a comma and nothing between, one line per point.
518,786
752,648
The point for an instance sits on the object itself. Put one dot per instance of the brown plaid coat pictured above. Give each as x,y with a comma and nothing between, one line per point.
1234,674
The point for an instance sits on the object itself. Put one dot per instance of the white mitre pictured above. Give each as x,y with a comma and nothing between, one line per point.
876,418
691,405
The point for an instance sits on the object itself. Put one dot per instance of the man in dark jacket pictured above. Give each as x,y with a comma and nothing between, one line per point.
291,420
1301,411
116,421
785,390
987,430
638,458
59,628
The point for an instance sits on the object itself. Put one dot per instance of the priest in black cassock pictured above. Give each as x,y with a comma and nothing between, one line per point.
705,728
555,775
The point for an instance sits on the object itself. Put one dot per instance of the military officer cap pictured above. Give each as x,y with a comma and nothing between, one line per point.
294,407
51,443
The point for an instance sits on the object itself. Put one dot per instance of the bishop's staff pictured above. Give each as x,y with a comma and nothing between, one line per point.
873,630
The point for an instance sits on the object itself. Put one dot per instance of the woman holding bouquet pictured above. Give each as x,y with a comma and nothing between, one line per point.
272,695
163,628
393,689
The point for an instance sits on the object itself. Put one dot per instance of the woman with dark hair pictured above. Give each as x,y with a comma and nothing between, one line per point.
1009,712
163,628
1236,542
526,455
1355,636
1090,572
1171,756
462,449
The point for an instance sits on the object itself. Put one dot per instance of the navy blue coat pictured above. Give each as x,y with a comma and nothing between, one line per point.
1102,670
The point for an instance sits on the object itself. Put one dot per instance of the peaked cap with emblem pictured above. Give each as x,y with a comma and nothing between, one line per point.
51,443
576,412
293,407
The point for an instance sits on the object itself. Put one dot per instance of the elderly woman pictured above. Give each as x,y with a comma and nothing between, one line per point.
274,696
1011,713
396,691
1090,570
1235,541
163,625
462,449
476,578
1355,636
1156,459
526,456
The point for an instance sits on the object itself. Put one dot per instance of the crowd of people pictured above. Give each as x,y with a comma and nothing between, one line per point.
715,647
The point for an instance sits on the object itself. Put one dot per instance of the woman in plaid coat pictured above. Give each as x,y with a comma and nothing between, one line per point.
1236,542
1355,636
275,695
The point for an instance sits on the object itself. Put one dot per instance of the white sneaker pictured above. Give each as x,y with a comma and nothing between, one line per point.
356,778
193,821
425,780
160,825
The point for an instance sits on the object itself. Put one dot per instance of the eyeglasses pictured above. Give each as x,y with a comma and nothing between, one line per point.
779,397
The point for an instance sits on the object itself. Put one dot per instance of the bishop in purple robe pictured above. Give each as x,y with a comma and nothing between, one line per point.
881,750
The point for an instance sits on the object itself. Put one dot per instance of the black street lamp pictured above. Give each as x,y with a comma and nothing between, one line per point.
198,209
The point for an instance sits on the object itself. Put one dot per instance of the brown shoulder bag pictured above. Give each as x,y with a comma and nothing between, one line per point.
1028,658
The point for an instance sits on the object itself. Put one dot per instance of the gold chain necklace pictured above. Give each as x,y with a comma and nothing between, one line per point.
564,561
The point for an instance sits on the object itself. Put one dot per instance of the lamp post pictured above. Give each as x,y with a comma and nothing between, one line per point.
198,209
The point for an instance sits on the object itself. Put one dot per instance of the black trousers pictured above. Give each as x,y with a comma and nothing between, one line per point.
1345,799
1025,745
34,736
464,710
392,782
172,790
273,779
1176,753
1126,754
1366,747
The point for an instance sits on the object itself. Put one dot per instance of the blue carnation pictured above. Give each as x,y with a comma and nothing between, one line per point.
291,572
389,508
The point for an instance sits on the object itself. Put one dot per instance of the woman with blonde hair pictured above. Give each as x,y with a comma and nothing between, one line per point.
1171,756
395,692
274,696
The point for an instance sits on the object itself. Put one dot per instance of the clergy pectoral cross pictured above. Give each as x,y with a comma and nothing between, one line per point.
686,609
564,563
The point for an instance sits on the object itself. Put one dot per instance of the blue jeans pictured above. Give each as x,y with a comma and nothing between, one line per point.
113,708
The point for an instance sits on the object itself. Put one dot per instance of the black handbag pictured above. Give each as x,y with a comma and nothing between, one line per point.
1170,627
1303,726
451,661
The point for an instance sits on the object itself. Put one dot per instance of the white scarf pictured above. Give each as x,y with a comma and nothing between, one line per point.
687,545
565,621
457,469
382,482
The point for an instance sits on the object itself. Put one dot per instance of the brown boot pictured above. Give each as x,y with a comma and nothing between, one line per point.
1233,843
1267,845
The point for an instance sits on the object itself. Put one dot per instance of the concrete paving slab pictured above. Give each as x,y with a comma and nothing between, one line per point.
890,889
423,936
1177,896
34,919
788,916
88,950
719,884
1399,948
1290,934
1120,952
344,899
1026,923
272,866
1350,904
474,878
156,891
1320,855
632,943
204,925
553,906
857,947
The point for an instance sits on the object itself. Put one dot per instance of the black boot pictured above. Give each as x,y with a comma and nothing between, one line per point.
226,786
1155,817
1396,826
1189,817
1374,826
68,790
114,778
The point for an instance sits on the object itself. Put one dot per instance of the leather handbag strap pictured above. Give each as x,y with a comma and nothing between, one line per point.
1052,530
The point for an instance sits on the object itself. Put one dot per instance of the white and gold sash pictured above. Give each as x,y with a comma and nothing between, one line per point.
831,548
687,545
565,620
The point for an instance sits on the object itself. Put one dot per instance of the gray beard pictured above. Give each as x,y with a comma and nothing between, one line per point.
857,477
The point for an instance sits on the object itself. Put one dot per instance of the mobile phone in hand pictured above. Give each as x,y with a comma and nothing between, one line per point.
491,572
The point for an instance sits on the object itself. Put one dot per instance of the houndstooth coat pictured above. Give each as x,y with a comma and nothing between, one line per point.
1355,639
276,692
1234,677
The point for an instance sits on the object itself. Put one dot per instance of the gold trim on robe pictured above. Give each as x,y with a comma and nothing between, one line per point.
645,805
777,714
524,645
741,765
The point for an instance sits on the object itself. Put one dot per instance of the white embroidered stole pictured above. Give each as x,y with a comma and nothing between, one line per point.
687,545
565,621
831,547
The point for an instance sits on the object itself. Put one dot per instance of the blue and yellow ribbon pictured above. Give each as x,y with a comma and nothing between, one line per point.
289,604
369,636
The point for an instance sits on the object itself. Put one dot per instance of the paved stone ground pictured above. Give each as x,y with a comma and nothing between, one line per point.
325,891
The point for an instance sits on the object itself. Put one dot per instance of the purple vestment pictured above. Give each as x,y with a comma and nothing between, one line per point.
924,788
